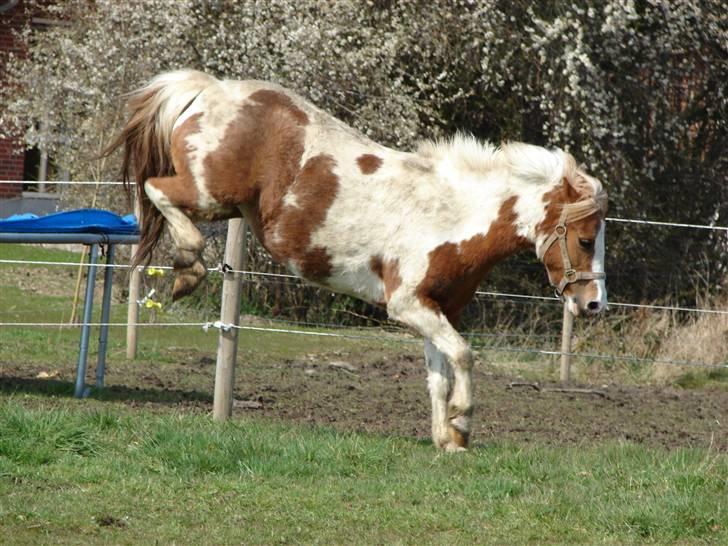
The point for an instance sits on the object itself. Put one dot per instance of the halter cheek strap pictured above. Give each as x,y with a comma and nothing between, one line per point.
570,274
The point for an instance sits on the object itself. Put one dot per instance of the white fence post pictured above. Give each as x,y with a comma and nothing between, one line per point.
568,328
227,346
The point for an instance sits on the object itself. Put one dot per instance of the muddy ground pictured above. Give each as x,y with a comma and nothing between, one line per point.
385,393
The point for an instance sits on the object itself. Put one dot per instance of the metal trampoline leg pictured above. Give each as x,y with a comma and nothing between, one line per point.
80,391
105,312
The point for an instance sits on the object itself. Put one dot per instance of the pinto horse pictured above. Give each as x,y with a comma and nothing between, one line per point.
414,232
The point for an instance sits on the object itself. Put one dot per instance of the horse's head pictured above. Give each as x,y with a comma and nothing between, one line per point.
571,240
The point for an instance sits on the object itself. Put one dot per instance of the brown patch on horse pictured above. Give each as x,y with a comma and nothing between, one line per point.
181,188
388,271
456,269
369,163
315,189
275,99
259,154
315,264
258,163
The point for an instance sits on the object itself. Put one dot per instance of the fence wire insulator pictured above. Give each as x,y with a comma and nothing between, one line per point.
148,297
154,272
223,268
219,325
148,301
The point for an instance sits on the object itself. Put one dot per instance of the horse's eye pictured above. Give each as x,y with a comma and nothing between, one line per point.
586,244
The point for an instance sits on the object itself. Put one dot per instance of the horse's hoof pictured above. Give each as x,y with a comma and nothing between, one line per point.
451,447
458,438
188,279
184,285
455,441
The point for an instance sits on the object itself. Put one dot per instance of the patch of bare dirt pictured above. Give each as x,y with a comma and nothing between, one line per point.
383,393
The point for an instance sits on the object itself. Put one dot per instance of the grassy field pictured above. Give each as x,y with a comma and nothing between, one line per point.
100,473
142,468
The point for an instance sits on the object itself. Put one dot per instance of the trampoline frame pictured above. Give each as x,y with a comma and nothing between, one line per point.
95,241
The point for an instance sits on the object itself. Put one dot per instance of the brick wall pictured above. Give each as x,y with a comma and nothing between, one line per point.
11,155
11,168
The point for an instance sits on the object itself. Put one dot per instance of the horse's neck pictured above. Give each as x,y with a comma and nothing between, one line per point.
537,204
510,208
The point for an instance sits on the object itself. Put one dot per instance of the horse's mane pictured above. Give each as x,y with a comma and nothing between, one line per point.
463,152
467,154
529,163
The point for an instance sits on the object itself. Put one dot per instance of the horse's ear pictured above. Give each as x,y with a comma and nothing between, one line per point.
570,192
570,178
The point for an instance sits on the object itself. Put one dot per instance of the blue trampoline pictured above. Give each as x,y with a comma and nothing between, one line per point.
92,227
83,221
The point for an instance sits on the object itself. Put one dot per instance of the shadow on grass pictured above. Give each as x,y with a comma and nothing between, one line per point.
115,393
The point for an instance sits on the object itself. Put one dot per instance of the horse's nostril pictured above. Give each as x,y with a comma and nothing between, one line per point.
593,306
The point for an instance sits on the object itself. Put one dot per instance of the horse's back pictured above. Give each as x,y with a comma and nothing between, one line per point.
324,200
316,192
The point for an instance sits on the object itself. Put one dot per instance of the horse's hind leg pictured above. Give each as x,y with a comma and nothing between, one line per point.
171,195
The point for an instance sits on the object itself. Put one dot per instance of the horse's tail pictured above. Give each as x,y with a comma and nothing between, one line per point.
146,140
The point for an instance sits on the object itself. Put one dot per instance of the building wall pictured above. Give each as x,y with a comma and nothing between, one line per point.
11,168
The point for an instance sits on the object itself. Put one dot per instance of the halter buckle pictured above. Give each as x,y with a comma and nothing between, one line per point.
570,275
560,230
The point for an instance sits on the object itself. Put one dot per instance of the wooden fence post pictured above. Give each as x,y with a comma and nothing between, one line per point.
568,328
135,288
132,311
227,346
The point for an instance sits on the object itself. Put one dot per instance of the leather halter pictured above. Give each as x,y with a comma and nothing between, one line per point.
559,234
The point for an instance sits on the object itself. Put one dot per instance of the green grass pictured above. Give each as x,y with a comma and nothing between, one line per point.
712,378
102,473
36,253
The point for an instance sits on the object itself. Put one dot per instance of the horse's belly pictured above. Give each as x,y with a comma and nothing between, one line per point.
360,282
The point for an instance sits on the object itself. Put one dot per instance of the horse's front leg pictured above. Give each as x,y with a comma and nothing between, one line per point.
439,383
170,195
450,418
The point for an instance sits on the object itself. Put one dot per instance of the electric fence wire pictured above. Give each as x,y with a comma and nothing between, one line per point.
206,326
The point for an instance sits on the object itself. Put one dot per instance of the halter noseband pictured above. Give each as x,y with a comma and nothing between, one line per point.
559,234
